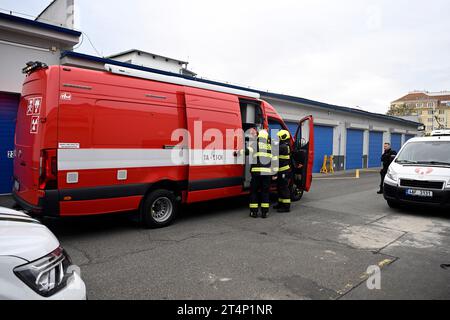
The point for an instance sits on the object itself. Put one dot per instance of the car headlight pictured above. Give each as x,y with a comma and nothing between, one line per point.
47,275
448,184
391,174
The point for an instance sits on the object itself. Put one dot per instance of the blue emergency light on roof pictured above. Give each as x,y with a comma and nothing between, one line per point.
33,66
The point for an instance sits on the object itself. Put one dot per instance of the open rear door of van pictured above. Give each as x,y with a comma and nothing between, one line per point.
303,153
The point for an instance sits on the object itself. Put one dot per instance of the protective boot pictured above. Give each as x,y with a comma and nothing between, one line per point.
265,213
284,208
254,213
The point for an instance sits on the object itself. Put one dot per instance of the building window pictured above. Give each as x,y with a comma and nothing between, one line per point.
430,119
431,104
441,111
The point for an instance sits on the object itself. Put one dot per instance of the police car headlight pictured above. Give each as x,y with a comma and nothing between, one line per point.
448,184
392,175
47,275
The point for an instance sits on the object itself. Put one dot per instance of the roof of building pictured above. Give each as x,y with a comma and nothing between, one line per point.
262,93
424,95
39,24
146,53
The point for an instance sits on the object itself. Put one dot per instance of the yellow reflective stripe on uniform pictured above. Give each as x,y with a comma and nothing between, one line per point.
284,200
285,168
285,157
265,205
263,135
263,155
267,170
264,146
254,205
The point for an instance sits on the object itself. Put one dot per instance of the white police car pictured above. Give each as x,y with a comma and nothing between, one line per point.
33,266
420,173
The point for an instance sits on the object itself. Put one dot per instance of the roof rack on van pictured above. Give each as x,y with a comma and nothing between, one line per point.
177,80
33,66
440,133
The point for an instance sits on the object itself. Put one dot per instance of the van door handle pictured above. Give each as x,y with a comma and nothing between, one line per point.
23,164
168,147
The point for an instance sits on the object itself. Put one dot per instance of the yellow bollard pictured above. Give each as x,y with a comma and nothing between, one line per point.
324,166
357,174
331,170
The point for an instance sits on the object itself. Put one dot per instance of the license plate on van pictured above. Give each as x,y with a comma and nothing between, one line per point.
419,193
16,185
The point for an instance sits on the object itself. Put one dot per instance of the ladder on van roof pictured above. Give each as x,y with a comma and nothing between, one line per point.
177,80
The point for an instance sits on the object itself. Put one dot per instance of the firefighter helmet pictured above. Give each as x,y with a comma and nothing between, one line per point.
284,135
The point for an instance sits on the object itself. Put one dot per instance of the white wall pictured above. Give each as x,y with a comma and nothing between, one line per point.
148,61
13,60
60,13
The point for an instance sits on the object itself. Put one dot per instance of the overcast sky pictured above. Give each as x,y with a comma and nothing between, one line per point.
347,52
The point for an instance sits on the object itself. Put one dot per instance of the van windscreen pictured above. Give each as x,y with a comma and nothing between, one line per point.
425,152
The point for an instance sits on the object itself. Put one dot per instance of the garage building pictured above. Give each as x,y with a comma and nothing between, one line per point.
354,137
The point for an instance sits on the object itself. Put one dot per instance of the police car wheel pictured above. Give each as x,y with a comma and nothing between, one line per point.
296,193
393,204
159,209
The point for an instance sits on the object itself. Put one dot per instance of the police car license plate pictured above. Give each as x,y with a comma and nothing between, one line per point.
16,185
419,193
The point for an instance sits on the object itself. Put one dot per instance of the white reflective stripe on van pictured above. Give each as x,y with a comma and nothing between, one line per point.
85,159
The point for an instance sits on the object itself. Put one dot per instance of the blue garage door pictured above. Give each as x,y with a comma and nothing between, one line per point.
354,156
8,113
396,141
292,126
375,149
323,145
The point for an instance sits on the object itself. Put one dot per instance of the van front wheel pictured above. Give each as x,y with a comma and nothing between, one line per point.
296,193
393,204
159,209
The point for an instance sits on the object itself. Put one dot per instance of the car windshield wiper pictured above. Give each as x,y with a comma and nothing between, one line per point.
440,163
406,162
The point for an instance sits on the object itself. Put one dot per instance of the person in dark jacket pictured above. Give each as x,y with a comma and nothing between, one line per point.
283,172
387,158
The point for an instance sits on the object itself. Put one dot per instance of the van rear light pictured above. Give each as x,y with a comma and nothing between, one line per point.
48,170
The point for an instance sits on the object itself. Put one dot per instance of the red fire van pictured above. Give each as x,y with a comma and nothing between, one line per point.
92,142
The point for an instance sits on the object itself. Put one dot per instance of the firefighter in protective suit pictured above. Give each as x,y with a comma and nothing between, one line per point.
284,172
261,156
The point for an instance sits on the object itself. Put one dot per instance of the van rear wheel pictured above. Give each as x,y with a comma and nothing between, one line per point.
159,209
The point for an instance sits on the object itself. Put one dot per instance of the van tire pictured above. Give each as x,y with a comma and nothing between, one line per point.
296,193
159,209
393,204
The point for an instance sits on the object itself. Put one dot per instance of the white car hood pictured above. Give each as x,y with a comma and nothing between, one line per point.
424,173
24,237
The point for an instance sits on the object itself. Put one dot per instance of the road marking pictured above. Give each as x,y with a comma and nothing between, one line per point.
364,277
357,175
